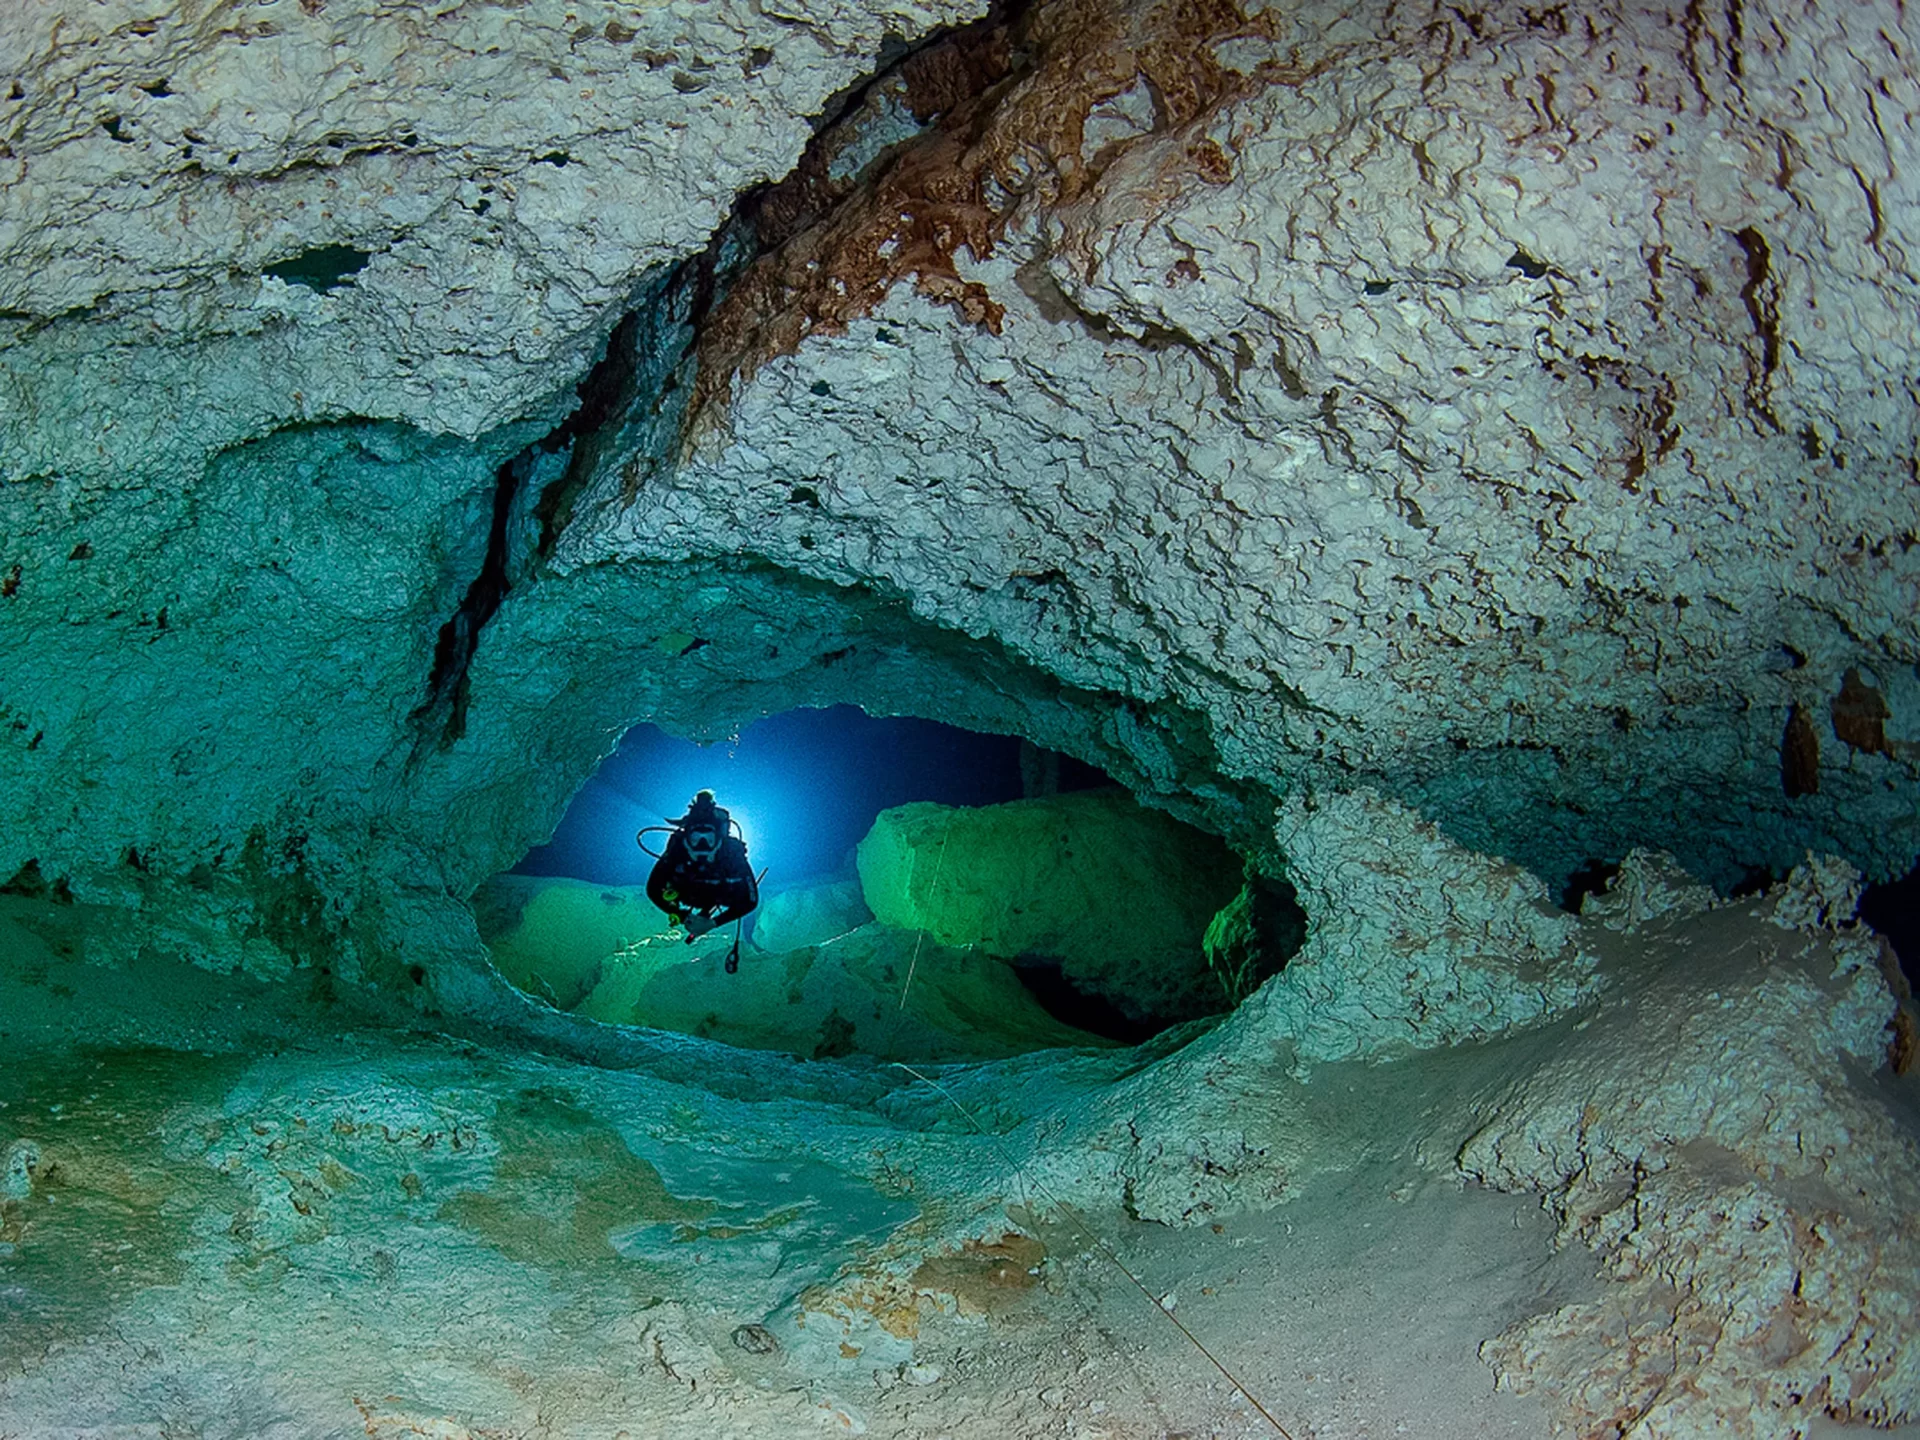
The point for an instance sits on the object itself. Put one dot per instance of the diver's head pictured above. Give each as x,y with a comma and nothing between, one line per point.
701,804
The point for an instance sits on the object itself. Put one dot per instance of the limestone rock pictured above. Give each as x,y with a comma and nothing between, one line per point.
1823,893
1412,940
357,209
1118,895
1648,886
870,991
809,915
1306,404
18,1166
552,936
1748,1201
1414,944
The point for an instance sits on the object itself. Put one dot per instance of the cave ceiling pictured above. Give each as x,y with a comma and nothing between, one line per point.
1511,411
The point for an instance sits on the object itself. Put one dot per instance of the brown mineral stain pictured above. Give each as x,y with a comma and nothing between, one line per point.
1008,101
900,1321
1905,1042
111,1212
1799,756
563,1182
1860,715
984,1277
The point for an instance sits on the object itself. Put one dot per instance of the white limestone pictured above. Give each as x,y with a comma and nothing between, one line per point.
1703,1132
1544,536
512,177
1455,436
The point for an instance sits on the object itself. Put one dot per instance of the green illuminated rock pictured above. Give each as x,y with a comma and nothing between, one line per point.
1118,895
809,915
870,991
551,936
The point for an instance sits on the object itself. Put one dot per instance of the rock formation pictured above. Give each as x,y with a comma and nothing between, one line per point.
1432,448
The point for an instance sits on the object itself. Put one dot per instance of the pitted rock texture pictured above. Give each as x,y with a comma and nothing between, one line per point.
213,675
1412,941
1415,947
1505,406
1323,400
221,223
1753,1206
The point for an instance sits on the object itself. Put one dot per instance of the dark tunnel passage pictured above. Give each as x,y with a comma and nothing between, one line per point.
925,892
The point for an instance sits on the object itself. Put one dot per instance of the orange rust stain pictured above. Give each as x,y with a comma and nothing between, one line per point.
1008,104
897,1313
900,1321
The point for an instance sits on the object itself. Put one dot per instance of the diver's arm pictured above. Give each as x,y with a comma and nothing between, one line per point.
744,902
658,883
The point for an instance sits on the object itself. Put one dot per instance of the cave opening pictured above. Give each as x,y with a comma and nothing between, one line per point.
1893,908
925,893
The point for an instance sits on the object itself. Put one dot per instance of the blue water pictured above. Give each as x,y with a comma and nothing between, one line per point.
804,785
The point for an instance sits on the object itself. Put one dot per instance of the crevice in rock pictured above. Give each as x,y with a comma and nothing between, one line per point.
322,269
605,395
1761,296
1893,908
442,717
1071,1004
1592,878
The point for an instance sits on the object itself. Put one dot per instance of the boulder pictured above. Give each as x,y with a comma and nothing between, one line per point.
1117,895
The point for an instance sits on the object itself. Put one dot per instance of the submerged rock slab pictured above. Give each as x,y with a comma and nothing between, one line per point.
1118,895
870,991
809,915
551,936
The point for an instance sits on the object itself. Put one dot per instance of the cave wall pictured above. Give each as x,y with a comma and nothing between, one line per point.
1508,410
1430,446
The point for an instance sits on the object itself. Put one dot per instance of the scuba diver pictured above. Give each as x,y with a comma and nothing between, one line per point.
701,878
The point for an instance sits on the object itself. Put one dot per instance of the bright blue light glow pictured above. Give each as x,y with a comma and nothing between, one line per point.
804,786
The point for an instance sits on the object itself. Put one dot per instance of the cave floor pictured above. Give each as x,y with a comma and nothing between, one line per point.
275,1211
263,1211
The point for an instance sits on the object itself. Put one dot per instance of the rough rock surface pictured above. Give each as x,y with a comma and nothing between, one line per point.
615,1204
353,209
1413,940
809,915
1474,432
1118,896
1754,1208
1483,403
1549,470
1413,945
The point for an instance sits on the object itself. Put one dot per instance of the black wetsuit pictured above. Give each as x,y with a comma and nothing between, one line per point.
722,888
